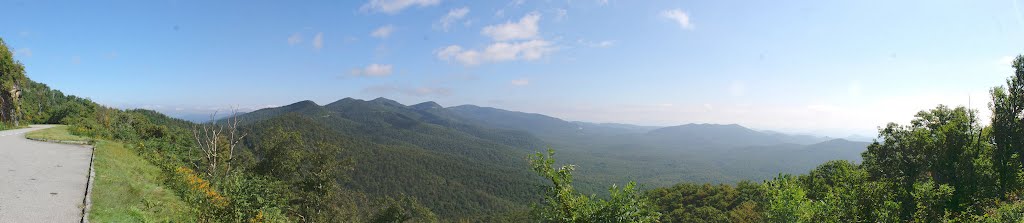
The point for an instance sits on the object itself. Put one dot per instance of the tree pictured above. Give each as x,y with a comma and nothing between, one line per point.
786,201
563,204
1007,130
942,145
216,146
836,185
312,170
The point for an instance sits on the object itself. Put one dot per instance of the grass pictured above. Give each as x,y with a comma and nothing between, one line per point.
127,188
59,133
9,127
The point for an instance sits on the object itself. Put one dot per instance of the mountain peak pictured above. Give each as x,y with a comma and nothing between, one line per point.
302,104
426,106
382,100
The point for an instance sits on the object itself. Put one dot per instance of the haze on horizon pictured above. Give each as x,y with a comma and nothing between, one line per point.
834,68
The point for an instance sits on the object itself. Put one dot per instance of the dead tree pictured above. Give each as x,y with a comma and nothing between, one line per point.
217,144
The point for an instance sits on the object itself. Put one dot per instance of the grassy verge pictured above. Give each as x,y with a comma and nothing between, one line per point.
58,133
127,188
9,127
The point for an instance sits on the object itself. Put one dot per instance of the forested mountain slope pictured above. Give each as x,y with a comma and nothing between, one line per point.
457,169
494,139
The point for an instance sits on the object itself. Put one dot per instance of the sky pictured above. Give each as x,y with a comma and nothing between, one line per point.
822,67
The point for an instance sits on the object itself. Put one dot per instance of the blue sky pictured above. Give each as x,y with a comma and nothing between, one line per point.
824,67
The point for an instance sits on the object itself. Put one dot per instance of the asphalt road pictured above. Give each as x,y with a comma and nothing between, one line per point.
39,181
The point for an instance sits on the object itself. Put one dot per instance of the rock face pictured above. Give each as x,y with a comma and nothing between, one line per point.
12,75
9,104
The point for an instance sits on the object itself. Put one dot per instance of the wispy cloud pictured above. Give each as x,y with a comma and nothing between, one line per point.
561,14
525,28
521,82
295,38
383,31
1006,61
598,44
76,60
318,41
23,52
678,16
408,91
453,16
396,6
373,70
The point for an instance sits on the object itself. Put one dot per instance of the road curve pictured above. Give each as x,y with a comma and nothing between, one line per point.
40,181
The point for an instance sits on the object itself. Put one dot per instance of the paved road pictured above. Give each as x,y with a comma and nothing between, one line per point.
41,182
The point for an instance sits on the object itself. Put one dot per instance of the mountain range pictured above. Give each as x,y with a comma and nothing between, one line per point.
478,153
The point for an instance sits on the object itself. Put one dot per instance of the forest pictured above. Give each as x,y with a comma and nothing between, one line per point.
380,161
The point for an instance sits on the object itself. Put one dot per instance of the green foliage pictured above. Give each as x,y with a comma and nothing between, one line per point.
404,209
942,167
1007,134
943,146
931,201
563,204
786,201
128,188
709,203
1008,212
311,172
396,149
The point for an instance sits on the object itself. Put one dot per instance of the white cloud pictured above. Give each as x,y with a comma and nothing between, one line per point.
678,16
453,16
395,6
602,2
23,52
521,82
295,39
525,28
373,70
500,13
318,41
383,31
497,52
601,44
